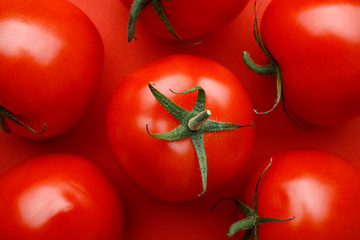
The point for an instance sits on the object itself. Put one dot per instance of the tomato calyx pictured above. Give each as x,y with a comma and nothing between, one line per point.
192,124
6,114
252,220
136,9
269,69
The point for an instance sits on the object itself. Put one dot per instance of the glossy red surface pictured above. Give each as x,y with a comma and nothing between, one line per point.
52,55
146,217
318,188
170,170
318,58
59,196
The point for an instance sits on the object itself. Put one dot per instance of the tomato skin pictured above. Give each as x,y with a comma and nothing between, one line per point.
170,170
319,188
191,18
59,196
317,46
51,57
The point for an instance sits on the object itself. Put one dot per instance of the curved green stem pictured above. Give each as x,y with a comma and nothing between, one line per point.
278,93
159,9
269,69
135,11
5,113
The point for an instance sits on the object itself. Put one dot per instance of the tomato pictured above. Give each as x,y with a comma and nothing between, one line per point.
316,47
319,189
59,196
170,169
51,60
189,19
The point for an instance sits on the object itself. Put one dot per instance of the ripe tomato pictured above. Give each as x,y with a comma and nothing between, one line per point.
189,18
59,196
170,169
316,46
51,59
319,189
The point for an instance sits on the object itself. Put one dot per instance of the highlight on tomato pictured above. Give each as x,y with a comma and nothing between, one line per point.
51,61
301,194
314,49
59,196
182,19
181,126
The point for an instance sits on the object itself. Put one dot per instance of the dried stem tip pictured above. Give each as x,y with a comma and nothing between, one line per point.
196,122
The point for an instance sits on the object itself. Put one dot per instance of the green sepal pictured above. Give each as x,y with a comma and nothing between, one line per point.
4,113
269,69
135,11
243,224
257,34
200,100
178,112
262,220
198,142
159,9
251,224
253,220
183,130
178,133
212,126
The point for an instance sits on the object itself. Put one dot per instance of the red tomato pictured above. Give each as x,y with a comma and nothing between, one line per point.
51,60
170,170
190,18
316,44
319,188
59,196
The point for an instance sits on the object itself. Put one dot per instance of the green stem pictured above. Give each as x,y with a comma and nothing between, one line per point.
137,8
5,113
278,93
269,69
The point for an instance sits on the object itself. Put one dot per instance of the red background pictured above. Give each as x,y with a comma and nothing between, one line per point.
146,217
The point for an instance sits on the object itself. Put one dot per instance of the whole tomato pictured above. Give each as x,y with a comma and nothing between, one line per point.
182,19
304,194
59,196
51,60
315,48
201,159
